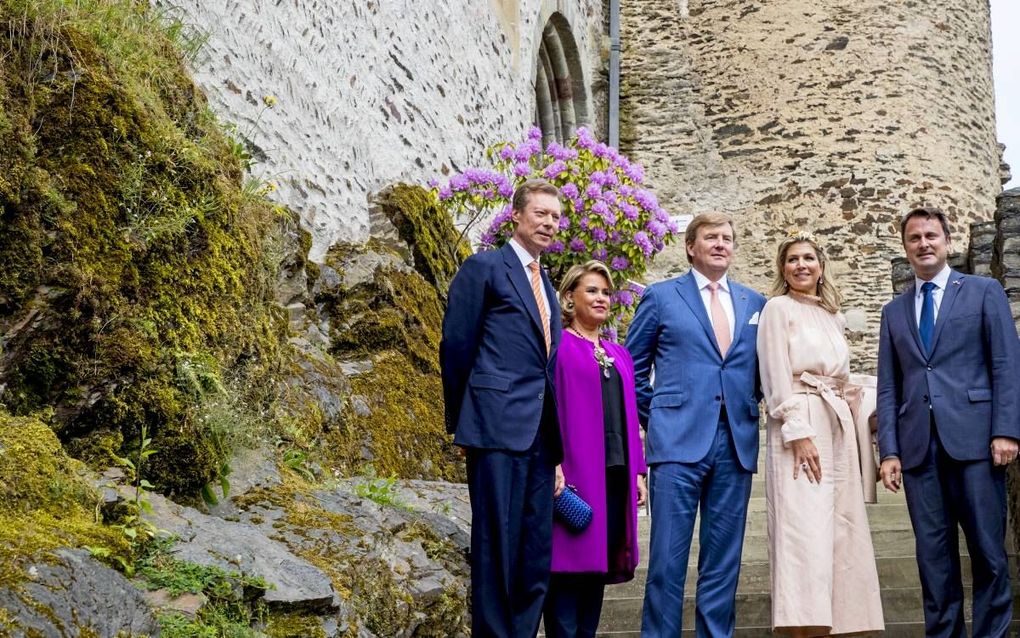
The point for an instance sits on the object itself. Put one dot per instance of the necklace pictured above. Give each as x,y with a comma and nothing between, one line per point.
601,357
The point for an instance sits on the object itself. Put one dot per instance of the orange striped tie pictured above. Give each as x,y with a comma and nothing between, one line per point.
536,288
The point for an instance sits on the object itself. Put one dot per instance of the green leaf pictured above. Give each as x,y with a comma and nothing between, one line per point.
208,496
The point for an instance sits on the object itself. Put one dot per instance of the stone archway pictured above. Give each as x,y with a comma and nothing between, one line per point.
561,96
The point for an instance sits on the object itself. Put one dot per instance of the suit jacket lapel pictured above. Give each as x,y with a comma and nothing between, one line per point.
909,307
521,281
953,285
687,286
739,298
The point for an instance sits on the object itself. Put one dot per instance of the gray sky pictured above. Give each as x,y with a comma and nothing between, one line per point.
1006,65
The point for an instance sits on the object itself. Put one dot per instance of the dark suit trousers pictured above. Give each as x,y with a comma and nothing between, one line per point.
941,494
511,537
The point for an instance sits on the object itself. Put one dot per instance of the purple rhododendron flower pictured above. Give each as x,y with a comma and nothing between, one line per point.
507,152
555,247
564,222
584,138
600,207
601,150
459,183
610,218
635,172
646,200
445,193
522,169
614,237
553,170
630,211
534,133
642,242
611,198
577,245
661,215
506,189
578,204
619,263
593,191
673,226
600,254
433,182
656,228
569,190
623,297
584,223
599,234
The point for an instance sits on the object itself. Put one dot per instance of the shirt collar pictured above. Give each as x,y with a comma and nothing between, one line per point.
703,281
522,254
940,280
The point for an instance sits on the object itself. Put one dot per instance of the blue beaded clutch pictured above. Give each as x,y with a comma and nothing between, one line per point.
572,510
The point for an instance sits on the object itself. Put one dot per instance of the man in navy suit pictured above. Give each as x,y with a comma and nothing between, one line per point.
698,332
948,423
497,354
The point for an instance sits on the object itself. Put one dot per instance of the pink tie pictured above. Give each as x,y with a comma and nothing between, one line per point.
720,323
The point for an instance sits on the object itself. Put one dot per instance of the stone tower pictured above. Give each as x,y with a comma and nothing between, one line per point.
830,116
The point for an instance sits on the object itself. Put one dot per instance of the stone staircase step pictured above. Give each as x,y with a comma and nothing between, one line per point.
892,630
899,605
893,571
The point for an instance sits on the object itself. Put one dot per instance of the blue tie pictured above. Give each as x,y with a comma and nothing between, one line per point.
927,324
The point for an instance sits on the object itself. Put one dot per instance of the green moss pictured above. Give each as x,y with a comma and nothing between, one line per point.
127,241
295,626
45,502
422,223
405,431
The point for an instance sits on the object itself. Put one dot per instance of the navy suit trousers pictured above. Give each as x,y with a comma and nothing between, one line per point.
511,537
941,494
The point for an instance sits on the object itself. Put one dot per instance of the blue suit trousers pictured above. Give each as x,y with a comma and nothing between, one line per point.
720,486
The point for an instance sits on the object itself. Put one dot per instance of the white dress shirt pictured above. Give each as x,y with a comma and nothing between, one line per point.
724,298
526,260
940,280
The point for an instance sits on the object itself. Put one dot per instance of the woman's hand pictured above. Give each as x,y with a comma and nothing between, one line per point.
805,459
642,490
560,482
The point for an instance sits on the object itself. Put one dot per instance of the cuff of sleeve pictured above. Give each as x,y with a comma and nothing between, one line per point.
794,429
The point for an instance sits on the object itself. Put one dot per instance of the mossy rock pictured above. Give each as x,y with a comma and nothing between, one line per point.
128,243
46,501
437,246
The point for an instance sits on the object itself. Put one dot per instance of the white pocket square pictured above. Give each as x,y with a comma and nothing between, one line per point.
754,320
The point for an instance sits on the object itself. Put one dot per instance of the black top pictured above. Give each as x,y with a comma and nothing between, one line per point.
614,417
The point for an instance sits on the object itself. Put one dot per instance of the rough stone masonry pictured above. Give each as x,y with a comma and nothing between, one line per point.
830,116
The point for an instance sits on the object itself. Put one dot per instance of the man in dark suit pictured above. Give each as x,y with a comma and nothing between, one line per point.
698,332
948,423
500,333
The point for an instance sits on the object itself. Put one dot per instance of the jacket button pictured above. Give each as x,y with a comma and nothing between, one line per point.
930,368
718,398
925,398
540,396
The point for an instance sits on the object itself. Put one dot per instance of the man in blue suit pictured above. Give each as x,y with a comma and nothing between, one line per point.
698,333
948,423
500,333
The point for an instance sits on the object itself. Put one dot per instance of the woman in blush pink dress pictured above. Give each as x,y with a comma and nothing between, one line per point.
824,580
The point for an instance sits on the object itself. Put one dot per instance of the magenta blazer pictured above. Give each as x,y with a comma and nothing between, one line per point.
579,402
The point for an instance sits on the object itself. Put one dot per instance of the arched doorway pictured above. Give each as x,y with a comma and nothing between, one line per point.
561,103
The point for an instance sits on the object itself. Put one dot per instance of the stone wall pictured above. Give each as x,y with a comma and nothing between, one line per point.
821,114
374,92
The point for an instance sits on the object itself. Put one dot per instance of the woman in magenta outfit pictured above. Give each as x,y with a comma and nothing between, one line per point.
602,457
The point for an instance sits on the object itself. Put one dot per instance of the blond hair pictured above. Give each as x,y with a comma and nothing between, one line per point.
570,281
828,295
706,219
